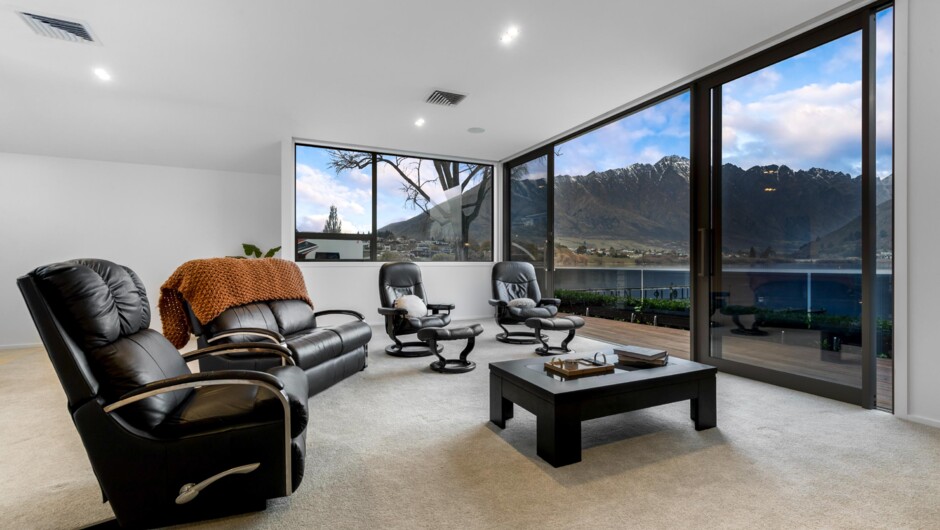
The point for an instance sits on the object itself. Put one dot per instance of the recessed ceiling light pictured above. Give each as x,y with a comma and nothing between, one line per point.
419,122
102,74
476,130
510,34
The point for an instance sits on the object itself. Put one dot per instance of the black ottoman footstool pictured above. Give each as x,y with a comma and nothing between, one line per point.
451,366
570,324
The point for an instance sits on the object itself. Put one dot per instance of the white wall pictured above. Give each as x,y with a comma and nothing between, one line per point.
923,196
356,286
149,218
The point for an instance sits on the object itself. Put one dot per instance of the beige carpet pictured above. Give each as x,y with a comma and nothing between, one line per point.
399,446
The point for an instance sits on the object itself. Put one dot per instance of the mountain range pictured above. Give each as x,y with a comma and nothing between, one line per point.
647,206
423,226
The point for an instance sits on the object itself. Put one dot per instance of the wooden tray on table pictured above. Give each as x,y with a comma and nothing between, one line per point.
584,368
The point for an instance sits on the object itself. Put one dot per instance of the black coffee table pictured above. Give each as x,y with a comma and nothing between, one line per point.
560,406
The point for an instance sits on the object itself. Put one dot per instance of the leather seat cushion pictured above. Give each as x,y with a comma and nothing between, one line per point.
314,347
429,321
450,333
217,407
133,361
522,313
354,334
256,315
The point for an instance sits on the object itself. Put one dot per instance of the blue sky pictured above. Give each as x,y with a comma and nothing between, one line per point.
319,187
645,136
803,112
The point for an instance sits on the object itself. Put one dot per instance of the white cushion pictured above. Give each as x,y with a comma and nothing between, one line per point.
412,304
522,302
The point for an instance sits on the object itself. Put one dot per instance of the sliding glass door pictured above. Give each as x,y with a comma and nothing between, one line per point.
787,215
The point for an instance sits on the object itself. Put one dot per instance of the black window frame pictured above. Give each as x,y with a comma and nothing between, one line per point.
372,237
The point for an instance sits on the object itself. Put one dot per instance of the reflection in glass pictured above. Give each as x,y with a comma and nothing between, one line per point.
332,249
433,210
528,203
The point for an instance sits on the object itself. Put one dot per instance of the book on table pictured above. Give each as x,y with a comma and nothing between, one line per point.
639,356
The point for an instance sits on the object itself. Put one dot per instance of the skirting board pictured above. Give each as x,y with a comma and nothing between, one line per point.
922,420
19,346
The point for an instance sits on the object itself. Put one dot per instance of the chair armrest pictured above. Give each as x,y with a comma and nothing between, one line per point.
498,303
550,301
262,348
273,336
349,312
437,308
217,377
391,311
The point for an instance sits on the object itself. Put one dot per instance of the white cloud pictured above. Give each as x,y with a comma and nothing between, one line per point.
316,222
811,126
317,191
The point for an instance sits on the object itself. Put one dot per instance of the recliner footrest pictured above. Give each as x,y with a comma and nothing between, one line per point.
555,324
433,335
569,324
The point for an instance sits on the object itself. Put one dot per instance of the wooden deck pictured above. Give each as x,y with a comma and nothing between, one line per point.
784,350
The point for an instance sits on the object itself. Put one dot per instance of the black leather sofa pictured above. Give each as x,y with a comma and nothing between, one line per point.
327,354
155,433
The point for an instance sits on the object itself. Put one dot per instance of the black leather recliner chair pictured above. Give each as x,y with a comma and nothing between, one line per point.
396,280
166,445
327,354
513,280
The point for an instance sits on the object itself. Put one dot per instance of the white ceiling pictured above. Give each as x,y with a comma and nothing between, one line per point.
218,84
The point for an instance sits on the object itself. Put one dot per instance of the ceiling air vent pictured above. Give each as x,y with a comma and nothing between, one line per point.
448,99
56,28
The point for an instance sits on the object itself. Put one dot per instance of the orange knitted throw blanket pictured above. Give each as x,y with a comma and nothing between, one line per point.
211,286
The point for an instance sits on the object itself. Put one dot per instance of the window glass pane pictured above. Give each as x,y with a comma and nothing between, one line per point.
528,203
884,163
477,211
427,210
622,216
789,293
333,190
433,210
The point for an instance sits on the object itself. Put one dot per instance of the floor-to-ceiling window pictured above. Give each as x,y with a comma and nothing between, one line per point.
776,236
884,213
799,198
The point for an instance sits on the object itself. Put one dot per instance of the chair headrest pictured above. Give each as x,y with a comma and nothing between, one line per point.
397,279
96,300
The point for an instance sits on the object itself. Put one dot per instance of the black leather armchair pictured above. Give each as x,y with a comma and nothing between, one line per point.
512,280
326,353
166,445
396,280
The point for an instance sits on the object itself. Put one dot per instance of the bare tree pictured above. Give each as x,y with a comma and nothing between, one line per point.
454,179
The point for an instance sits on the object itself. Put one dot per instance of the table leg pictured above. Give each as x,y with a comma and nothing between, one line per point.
500,407
558,434
703,408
